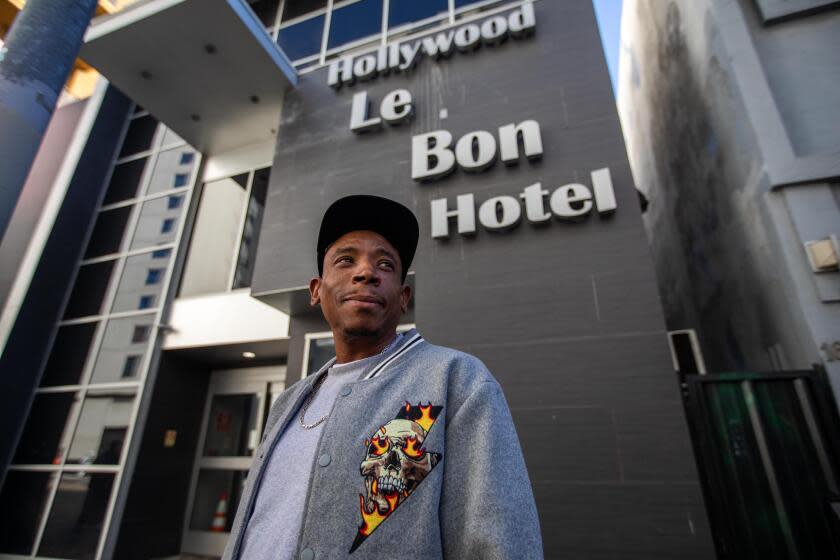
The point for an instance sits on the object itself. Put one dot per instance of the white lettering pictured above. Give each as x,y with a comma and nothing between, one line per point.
522,22
467,38
509,136
494,30
431,157
464,212
365,67
500,213
440,46
534,197
397,108
604,193
571,201
341,71
476,151
409,55
359,121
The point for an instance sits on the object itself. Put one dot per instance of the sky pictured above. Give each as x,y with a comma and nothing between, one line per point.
608,13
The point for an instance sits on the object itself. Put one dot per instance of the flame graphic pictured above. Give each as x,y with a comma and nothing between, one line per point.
375,487
411,448
426,419
379,446
370,521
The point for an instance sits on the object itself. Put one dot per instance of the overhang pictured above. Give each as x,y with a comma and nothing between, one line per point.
206,68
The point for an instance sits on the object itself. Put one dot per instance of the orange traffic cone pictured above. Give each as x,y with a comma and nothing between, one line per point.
220,517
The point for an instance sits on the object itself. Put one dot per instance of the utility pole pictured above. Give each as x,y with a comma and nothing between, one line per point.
35,61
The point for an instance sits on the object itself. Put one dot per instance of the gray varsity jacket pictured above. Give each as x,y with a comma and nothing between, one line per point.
419,459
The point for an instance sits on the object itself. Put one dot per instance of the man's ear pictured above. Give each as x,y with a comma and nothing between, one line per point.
405,297
314,292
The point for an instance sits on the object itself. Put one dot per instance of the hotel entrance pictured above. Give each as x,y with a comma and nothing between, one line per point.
235,411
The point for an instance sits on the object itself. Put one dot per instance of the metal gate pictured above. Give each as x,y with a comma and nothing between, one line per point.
767,450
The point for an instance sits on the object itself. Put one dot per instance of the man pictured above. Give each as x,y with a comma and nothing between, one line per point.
396,448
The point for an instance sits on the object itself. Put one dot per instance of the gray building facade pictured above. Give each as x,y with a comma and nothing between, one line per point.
493,120
729,114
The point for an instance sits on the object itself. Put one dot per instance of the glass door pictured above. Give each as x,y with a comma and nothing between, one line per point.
235,412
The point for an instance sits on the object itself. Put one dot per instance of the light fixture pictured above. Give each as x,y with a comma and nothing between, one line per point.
249,355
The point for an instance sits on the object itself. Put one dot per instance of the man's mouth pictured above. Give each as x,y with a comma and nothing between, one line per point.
362,298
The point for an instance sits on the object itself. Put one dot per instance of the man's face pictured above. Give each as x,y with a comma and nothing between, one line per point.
361,291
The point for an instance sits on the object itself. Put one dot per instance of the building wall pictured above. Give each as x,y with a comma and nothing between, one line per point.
732,140
31,337
565,315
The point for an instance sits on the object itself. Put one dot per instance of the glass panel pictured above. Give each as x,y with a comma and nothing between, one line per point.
124,340
44,432
125,181
462,3
213,487
142,282
171,171
251,230
76,517
158,223
108,232
68,355
102,427
139,137
169,138
405,11
266,10
89,290
321,350
355,22
295,8
302,39
214,238
22,502
232,426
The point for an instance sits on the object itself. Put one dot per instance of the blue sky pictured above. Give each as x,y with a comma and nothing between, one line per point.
608,13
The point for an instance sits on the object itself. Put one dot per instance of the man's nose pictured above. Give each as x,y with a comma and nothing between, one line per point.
366,272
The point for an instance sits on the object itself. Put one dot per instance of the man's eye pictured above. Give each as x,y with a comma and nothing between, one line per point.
387,265
344,259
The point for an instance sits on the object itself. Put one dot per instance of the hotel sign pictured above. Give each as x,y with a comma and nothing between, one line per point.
436,154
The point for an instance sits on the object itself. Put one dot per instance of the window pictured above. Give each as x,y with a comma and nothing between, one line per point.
181,180
161,253
146,302
251,231
139,137
125,181
154,275
130,366
406,11
140,333
167,225
297,8
265,10
68,355
302,39
355,21
88,293
187,158
108,232
174,202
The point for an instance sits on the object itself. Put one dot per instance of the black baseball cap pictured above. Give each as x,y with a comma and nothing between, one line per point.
390,219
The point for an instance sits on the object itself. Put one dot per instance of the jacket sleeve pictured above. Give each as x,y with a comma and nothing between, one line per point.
487,508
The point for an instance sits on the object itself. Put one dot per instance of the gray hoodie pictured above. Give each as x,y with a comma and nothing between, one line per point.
418,459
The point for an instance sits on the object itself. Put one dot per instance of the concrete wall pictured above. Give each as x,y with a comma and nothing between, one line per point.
566,315
731,138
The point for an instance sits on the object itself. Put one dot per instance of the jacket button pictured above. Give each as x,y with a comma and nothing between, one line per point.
324,459
307,554
346,390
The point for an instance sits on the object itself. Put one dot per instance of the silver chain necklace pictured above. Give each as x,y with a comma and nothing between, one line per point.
308,402
317,386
